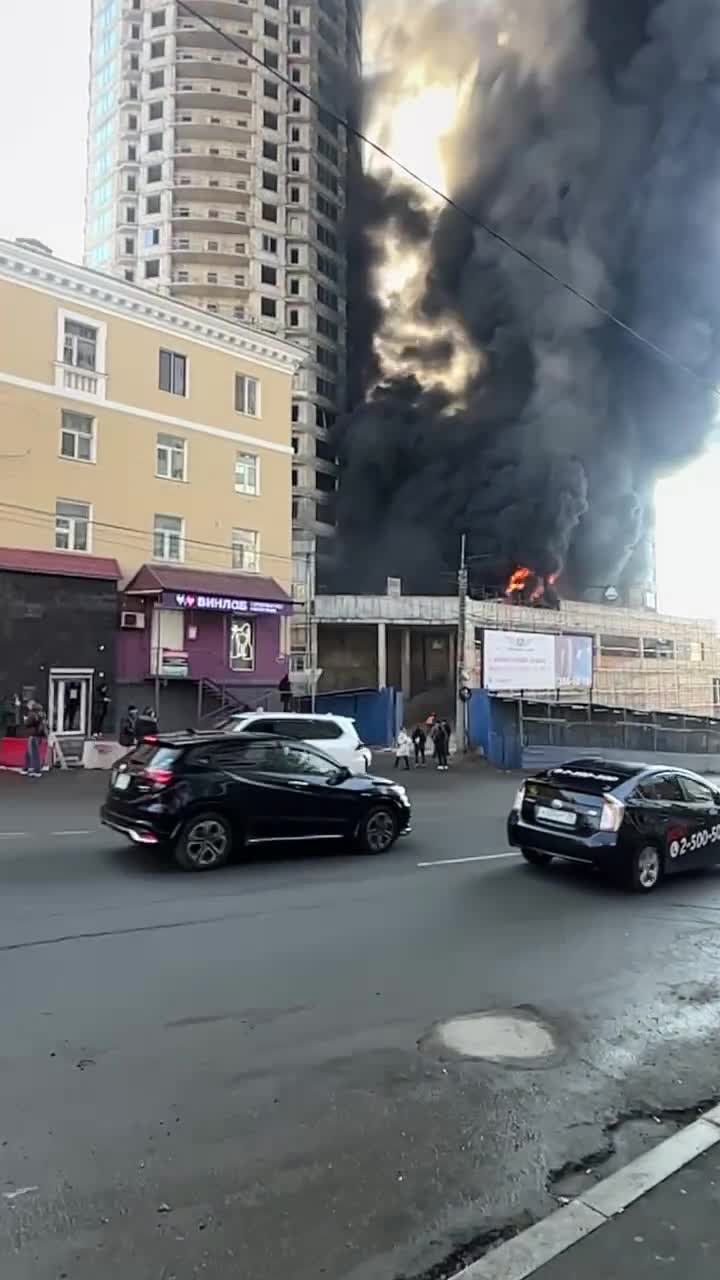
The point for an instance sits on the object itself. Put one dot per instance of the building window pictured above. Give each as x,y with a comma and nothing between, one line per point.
268,307
129,247
270,213
270,150
294,195
151,237
173,373
295,45
156,108
132,151
152,269
293,318
153,204
77,437
242,644
294,164
294,286
168,540
247,474
270,120
245,550
170,457
129,274
268,275
295,133
294,257
296,76
80,345
131,184
154,173
269,244
270,89
247,395
296,105
157,49
72,525
271,29
130,214
155,142
270,181
157,79
158,18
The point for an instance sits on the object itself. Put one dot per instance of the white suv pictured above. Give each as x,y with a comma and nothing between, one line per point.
335,735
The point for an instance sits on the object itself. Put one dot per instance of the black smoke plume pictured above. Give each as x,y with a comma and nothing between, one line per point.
590,139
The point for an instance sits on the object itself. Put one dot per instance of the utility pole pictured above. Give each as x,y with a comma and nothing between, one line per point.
310,654
460,674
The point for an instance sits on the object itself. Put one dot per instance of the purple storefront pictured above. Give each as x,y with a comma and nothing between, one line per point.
192,641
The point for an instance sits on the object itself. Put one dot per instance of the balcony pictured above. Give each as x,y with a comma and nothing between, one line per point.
200,287
191,156
197,219
88,382
215,66
191,94
192,249
228,9
194,186
196,35
212,129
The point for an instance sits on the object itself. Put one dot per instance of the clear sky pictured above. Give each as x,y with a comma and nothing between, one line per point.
42,148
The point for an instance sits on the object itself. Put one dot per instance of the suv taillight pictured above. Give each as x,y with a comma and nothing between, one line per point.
158,777
613,812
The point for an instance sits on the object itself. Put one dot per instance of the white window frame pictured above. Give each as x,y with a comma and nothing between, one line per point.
77,502
170,447
248,377
71,377
91,323
186,358
73,457
169,533
243,487
238,542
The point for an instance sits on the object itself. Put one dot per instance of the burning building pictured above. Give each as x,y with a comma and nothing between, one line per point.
489,399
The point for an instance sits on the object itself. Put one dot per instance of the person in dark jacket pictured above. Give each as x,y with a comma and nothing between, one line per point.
419,739
126,736
100,709
146,724
285,690
441,740
36,729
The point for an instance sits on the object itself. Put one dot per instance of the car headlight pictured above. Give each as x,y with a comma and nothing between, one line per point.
400,791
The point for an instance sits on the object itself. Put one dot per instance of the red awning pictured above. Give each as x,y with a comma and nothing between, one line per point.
154,578
66,564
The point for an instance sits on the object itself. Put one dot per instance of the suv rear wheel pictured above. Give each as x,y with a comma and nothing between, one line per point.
204,844
378,830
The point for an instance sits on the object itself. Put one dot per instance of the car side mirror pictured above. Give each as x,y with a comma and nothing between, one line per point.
340,776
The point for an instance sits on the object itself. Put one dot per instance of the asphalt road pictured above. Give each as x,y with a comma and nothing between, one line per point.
235,1074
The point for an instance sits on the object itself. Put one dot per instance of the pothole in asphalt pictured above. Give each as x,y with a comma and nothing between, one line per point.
497,1035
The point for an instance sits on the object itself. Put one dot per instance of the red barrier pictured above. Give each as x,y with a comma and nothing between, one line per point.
12,752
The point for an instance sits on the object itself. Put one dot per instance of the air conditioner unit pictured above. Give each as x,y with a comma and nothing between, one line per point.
132,621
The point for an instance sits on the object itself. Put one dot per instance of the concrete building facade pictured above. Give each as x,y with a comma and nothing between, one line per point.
642,659
143,433
212,181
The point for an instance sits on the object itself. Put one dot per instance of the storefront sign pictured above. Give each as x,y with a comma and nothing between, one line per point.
224,604
174,664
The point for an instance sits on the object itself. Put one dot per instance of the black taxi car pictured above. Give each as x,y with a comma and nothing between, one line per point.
207,795
642,821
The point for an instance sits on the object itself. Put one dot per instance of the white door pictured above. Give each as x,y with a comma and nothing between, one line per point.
69,703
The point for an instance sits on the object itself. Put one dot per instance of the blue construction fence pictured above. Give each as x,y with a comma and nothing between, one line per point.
549,732
378,713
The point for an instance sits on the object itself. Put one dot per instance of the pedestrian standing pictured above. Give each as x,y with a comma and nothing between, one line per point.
285,689
100,709
402,749
36,728
127,726
418,741
146,724
441,742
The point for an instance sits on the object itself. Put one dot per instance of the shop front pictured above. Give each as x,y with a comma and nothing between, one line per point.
191,641
58,624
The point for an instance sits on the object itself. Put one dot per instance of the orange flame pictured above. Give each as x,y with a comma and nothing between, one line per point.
518,580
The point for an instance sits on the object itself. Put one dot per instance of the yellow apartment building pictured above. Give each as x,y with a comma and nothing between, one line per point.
145,495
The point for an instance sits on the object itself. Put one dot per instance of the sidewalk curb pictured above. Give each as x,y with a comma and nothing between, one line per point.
526,1253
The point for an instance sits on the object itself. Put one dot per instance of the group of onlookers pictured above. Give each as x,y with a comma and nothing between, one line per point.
433,730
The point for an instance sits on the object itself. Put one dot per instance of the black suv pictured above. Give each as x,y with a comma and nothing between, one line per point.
207,795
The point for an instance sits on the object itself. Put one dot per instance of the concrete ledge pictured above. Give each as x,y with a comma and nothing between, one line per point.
527,1252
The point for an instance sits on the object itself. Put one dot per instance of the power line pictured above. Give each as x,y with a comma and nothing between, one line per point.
141,533
472,218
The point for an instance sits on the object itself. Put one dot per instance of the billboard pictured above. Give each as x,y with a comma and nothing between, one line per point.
534,661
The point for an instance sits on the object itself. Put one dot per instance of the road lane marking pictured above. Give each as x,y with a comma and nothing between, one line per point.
13,835
481,857
75,833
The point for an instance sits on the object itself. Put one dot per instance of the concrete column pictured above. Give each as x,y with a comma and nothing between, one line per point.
382,655
405,662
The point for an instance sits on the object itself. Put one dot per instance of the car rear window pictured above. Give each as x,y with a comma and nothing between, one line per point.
590,779
152,755
320,730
